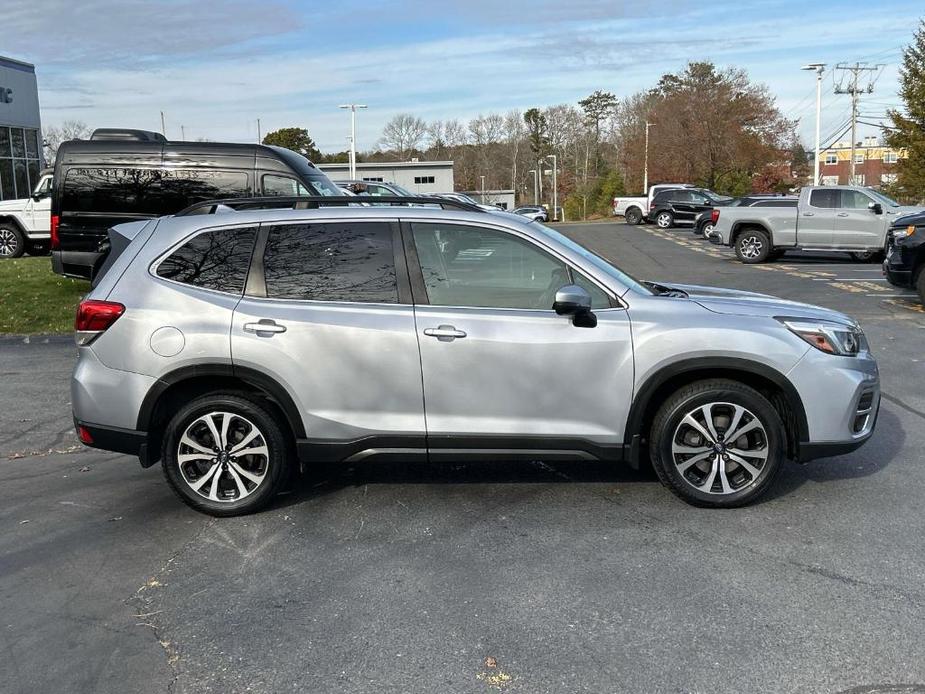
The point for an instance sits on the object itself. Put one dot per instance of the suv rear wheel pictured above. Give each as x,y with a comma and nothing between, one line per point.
753,246
717,443
12,242
225,455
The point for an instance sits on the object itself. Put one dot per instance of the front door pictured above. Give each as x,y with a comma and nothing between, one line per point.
502,371
816,221
856,225
328,315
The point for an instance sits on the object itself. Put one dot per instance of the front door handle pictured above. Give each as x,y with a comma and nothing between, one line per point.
264,325
808,214
444,333
842,214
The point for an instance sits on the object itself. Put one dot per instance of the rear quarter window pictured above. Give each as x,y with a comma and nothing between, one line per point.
216,260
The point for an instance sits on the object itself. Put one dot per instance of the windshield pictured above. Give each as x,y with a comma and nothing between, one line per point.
598,262
883,198
401,191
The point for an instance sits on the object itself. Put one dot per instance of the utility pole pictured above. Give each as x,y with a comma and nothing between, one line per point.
183,133
539,175
353,137
259,139
483,190
536,192
163,127
645,168
555,187
855,92
819,68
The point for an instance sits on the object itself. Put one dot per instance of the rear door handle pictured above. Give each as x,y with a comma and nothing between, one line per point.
842,214
444,333
808,214
264,325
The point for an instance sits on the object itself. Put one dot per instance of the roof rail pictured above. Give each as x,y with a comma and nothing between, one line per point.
311,202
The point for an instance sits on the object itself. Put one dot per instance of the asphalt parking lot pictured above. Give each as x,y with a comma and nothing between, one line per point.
533,577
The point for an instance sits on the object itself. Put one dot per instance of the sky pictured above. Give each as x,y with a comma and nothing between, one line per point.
216,66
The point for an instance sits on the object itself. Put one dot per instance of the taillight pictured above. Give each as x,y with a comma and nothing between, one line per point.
94,318
714,215
651,205
55,241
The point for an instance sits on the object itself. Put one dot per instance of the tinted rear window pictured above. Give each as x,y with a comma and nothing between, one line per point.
824,198
216,260
337,261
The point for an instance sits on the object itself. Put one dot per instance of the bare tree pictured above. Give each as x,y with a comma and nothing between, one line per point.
69,130
403,134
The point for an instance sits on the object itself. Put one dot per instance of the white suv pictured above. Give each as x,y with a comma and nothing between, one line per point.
25,225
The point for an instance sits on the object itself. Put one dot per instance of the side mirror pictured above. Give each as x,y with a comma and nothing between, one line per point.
875,207
39,196
572,300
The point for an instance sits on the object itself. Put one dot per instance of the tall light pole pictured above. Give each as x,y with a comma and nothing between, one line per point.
536,190
555,188
353,137
819,68
645,169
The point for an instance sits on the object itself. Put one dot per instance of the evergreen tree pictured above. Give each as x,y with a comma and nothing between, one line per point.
908,131
296,139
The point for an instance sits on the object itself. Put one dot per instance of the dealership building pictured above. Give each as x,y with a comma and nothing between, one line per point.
414,176
20,129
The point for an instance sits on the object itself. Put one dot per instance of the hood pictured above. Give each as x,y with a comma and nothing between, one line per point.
741,303
13,205
908,215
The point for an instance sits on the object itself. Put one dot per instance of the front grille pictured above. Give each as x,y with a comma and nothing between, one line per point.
862,416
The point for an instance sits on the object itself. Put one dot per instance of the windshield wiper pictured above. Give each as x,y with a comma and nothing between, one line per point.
662,290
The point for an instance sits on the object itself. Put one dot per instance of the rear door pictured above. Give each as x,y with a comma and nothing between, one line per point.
682,205
816,221
328,315
856,225
502,371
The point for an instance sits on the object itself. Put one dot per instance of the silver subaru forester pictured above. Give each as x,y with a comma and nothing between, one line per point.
239,346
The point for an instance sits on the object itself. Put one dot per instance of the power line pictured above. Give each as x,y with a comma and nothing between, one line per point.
852,74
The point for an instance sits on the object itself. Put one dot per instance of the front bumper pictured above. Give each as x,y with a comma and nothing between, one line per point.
841,398
897,266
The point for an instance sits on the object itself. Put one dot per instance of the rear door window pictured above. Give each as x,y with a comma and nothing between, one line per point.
824,198
183,187
116,190
336,261
217,260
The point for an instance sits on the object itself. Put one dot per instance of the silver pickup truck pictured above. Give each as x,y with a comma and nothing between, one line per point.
827,218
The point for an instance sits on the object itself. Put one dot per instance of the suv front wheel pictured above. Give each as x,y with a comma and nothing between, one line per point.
717,443
224,454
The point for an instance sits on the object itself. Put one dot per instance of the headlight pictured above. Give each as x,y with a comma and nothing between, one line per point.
832,338
901,233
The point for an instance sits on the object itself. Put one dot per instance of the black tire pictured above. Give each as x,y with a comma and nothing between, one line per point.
704,230
664,220
920,285
867,256
753,246
12,241
743,488
245,410
633,216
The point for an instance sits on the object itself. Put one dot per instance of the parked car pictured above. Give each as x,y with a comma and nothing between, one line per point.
634,209
462,197
534,212
230,346
373,188
851,219
680,206
905,257
122,175
703,224
25,225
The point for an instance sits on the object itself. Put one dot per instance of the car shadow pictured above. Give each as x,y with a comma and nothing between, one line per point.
874,456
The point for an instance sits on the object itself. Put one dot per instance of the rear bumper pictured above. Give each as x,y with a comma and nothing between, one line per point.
78,264
113,438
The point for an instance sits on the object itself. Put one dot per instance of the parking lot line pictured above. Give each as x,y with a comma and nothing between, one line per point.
848,279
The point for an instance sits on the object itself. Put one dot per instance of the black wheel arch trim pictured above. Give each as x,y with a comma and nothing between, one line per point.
252,377
645,392
738,230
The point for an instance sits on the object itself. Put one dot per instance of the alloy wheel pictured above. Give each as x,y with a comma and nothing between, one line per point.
9,243
223,457
707,229
663,221
751,247
720,448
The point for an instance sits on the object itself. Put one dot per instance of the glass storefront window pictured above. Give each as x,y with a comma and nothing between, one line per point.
19,162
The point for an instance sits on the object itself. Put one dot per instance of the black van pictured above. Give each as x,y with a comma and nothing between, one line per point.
124,175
